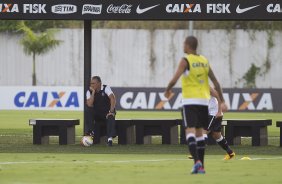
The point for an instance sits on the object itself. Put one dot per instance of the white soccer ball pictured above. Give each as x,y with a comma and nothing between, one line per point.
86,141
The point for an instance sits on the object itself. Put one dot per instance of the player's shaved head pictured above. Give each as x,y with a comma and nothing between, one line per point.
192,42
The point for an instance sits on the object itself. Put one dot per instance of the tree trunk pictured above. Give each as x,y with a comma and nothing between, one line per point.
33,70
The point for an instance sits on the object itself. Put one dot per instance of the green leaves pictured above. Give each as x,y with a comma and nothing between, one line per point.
37,43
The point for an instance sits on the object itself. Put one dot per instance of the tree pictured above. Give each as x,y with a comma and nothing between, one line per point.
37,44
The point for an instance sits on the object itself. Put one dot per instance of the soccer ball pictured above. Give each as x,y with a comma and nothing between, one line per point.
86,141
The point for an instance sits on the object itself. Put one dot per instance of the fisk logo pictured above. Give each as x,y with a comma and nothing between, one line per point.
249,101
9,8
64,9
183,8
34,8
46,99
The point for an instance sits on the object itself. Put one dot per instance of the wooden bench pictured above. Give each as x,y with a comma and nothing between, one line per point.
167,128
257,129
64,128
139,131
124,129
279,124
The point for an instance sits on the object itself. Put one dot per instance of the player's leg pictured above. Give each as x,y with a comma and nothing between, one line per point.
221,141
89,125
194,151
200,144
191,142
208,126
110,129
202,120
189,122
205,134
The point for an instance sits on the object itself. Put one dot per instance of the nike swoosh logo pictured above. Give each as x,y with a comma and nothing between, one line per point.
140,11
239,10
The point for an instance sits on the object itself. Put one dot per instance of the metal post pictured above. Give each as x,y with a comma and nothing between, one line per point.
87,63
191,25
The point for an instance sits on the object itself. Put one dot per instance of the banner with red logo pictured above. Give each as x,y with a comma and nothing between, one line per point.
141,10
137,99
238,100
41,98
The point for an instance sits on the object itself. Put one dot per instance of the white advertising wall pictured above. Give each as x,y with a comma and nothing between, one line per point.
41,98
144,58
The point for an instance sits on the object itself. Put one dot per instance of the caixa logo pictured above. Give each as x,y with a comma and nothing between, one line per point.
152,100
46,99
249,101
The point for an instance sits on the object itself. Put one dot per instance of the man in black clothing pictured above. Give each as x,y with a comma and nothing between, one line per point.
101,103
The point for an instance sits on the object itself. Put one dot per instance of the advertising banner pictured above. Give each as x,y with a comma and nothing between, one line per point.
141,10
41,98
238,100
137,99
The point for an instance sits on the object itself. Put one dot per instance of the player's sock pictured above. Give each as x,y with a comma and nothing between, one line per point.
201,148
223,143
110,141
206,138
192,145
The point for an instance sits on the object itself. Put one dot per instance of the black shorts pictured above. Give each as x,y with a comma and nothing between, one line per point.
214,124
195,116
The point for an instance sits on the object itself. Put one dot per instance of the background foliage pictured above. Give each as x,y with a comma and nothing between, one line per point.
41,25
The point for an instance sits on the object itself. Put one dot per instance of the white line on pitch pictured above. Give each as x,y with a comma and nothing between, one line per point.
131,161
41,162
272,158
83,162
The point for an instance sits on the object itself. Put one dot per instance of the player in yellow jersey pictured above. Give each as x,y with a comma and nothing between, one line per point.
195,71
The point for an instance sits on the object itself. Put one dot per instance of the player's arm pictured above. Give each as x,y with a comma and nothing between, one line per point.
214,93
218,89
112,98
90,99
113,102
183,65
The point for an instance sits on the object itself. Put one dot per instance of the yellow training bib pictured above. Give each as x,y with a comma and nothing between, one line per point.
195,83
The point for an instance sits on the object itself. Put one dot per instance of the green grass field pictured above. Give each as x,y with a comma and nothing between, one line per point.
21,162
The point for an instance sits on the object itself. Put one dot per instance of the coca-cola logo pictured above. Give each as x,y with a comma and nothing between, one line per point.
125,8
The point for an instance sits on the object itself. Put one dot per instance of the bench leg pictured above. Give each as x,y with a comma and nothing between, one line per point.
71,135
280,136
182,135
165,134
237,140
103,139
139,134
63,135
147,139
37,134
122,134
130,135
261,137
174,135
257,138
229,134
45,139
